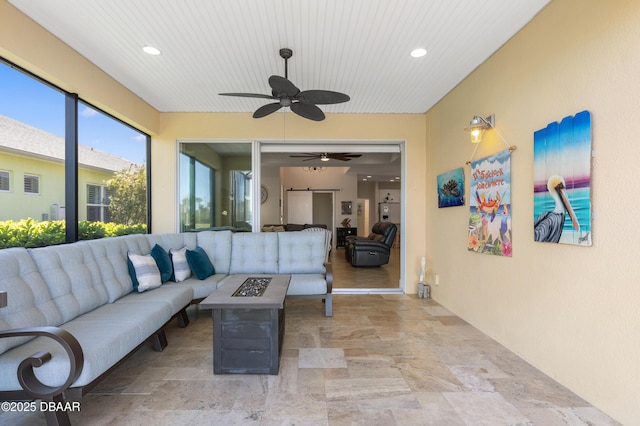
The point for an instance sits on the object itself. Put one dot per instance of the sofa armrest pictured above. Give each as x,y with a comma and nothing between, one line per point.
329,277
26,376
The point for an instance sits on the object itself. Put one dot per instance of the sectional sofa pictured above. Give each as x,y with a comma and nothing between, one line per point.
73,313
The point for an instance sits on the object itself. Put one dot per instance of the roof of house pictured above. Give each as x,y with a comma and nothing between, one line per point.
21,138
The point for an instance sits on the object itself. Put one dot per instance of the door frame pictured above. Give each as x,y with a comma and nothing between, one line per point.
314,145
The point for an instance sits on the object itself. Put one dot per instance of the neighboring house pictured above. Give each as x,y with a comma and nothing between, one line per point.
32,175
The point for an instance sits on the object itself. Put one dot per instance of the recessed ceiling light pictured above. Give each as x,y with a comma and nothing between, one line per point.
151,50
419,52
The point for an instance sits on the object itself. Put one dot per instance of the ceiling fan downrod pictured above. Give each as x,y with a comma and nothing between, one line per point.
286,54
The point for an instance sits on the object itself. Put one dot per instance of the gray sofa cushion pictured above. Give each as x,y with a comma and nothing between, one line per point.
307,284
73,278
106,335
217,245
201,288
30,302
254,253
177,297
172,241
301,252
111,257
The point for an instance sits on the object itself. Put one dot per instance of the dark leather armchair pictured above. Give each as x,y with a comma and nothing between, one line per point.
373,250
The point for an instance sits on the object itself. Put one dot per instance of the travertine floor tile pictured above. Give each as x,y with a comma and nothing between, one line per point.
381,360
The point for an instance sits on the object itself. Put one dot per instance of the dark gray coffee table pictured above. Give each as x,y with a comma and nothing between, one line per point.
248,330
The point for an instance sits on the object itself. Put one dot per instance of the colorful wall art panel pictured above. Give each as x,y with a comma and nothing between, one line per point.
562,181
490,205
451,188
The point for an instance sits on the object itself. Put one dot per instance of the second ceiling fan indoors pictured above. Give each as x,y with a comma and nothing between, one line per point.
304,103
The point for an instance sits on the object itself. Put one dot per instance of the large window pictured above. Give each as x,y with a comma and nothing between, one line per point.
113,156
99,174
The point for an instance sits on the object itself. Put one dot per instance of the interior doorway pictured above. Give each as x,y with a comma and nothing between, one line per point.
310,207
358,181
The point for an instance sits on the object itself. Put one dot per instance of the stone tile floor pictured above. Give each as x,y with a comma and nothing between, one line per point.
381,360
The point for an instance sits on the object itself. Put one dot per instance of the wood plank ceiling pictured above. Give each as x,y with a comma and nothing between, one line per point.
358,47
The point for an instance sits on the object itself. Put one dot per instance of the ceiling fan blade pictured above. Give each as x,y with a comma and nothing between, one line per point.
282,87
305,156
306,110
267,109
323,97
249,95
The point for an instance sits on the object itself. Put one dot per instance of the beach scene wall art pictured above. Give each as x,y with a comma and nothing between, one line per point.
562,181
490,205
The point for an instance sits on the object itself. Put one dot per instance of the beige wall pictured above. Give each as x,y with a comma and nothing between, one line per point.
573,312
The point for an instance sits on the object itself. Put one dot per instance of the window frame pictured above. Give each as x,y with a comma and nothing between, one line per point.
35,178
72,102
8,180
103,205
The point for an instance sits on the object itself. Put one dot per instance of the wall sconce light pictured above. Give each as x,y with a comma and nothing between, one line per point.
478,125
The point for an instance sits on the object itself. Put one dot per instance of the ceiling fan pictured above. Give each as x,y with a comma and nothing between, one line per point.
326,156
288,95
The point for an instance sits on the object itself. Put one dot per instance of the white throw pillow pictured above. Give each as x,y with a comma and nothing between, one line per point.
147,274
181,269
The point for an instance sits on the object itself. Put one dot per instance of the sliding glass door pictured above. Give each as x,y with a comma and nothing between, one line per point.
216,186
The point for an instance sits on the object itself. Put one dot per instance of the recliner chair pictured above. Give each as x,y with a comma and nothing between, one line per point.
373,250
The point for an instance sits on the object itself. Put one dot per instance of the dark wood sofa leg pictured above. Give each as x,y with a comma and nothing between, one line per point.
159,341
183,318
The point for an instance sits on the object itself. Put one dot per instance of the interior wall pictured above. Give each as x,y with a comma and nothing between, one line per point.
332,178
270,209
368,190
570,311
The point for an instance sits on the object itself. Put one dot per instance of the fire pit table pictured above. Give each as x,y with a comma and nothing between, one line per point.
248,323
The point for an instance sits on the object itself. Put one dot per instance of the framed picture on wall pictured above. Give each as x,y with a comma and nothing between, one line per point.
451,188
347,207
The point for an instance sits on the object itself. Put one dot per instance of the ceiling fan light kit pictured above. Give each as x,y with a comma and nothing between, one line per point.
303,103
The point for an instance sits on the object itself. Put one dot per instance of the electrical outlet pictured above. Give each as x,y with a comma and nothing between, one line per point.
437,279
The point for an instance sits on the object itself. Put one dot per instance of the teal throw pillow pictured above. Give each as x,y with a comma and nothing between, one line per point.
199,263
163,261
